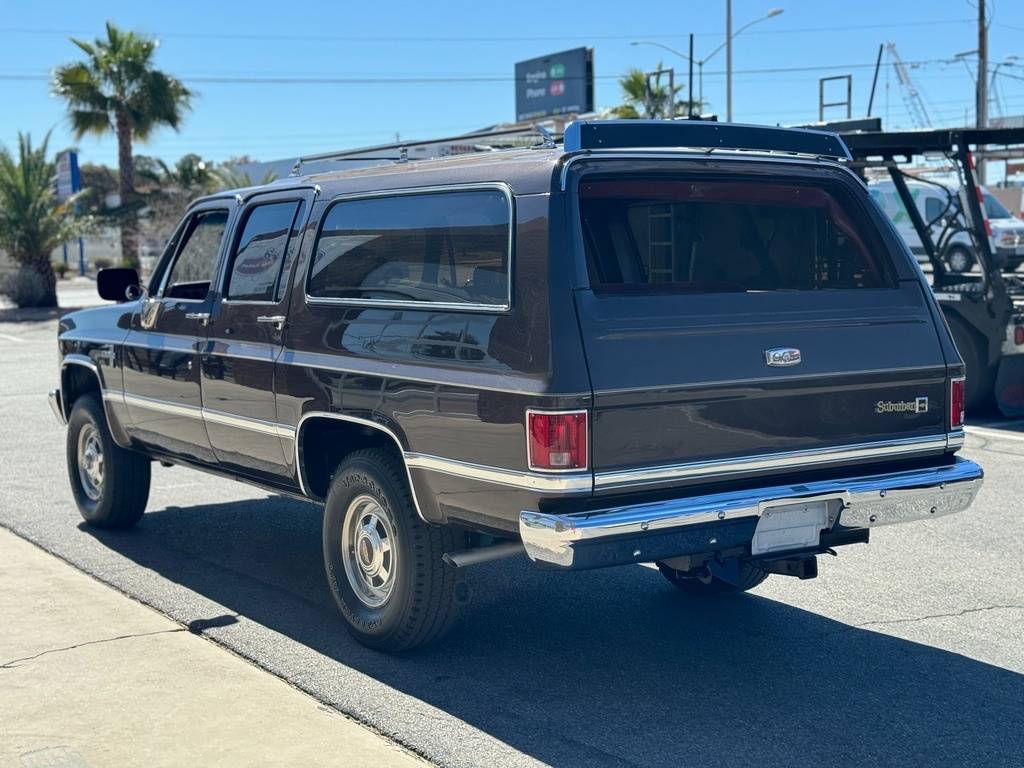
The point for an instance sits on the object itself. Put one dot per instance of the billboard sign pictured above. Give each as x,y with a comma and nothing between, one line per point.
558,84
69,181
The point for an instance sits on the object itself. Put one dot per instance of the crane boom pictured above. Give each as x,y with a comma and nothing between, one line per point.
911,97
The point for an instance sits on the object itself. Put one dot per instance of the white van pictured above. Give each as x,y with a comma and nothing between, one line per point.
937,205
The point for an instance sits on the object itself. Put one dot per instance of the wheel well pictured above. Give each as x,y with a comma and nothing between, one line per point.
77,380
324,442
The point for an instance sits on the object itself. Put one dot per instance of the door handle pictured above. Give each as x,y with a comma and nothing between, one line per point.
202,317
277,320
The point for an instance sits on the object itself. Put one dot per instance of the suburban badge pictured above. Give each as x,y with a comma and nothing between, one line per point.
920,405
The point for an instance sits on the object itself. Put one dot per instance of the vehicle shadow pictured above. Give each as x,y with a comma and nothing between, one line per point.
612,667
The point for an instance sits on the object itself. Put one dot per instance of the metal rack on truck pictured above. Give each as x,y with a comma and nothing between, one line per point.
985,310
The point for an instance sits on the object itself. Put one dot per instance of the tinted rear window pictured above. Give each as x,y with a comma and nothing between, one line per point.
442,247
660,234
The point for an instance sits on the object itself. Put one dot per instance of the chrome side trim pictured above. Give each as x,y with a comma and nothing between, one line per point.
208,414
770,461
533,481
57,405
354,420
427,306
867,501
955,439
163,406
249,423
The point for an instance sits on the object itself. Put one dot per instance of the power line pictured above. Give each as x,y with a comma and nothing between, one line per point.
370,38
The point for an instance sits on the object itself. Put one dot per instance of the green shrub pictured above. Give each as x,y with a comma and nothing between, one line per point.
102,262
24,287
61,269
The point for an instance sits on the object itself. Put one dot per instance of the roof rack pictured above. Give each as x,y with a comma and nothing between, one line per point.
400,149
700,134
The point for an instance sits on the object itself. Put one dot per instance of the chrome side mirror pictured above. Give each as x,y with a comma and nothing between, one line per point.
136,291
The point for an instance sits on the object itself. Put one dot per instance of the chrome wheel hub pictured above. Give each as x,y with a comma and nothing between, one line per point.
368,552
90,461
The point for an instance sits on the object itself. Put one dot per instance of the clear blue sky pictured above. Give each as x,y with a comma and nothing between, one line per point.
480,39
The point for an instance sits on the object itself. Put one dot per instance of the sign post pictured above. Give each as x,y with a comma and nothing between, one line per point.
69,181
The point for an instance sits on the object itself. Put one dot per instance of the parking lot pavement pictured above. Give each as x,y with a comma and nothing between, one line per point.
90,677
906,651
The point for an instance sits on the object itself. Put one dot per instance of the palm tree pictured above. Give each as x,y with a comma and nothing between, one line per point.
32,221
228,176
116,89
649,100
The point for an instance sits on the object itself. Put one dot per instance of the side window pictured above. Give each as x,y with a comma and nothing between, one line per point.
291,251
438,247
193,270
260,252
933,208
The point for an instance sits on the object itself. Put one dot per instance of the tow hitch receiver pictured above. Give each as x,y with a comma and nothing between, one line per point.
805,567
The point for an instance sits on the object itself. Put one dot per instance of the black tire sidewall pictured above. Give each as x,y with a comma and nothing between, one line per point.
88,411
362,476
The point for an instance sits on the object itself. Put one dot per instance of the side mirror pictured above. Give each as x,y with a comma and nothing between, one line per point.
118,284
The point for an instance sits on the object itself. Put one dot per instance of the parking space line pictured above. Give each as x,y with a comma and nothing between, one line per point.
997,434
15,339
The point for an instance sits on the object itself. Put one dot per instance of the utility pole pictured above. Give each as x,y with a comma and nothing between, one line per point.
981,91
689,92
728,60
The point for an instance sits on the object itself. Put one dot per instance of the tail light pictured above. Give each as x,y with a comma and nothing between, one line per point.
956,402
1018,335
556,440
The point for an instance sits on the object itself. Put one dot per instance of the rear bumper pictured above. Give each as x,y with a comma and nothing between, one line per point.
721,521
57,405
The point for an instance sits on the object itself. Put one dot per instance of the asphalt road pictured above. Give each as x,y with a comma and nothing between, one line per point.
907,651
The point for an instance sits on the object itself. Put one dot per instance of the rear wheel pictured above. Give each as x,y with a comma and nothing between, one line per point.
980,375
383,562
110,484
704,582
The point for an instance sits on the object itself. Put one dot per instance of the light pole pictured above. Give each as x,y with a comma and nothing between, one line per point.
993,86
726,44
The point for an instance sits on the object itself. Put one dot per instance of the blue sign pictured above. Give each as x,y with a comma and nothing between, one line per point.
69,181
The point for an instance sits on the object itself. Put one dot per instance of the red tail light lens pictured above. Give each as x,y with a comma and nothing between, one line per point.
557,440
956,403
1018,335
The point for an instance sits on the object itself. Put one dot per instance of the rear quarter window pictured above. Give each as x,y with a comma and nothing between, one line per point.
450,248
714,235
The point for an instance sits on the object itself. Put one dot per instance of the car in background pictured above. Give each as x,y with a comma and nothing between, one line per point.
940,206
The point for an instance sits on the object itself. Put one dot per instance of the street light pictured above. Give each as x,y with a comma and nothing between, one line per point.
993,86
701,62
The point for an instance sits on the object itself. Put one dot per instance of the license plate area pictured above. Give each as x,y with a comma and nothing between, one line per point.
792,524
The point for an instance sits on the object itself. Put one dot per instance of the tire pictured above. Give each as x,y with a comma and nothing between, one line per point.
980,392
110,484
709,585
959,260
397,596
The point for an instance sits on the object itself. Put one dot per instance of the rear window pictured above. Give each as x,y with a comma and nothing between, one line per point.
659,234
429,248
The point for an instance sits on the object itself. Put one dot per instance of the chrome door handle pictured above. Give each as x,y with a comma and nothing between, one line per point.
202,317
277,320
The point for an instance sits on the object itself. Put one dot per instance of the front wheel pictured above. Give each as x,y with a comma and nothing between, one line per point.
110,483
383,562
705,582
959,259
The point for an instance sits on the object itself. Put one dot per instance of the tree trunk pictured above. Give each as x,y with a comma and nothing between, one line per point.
126,169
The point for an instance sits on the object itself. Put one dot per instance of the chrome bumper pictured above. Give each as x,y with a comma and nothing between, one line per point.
645,532
57,405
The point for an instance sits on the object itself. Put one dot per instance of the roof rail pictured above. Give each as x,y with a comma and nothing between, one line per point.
700,134
401,148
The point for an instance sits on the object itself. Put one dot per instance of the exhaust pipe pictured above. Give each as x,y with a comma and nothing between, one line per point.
466,557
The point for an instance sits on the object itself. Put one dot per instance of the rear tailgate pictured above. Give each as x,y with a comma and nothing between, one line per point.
696,282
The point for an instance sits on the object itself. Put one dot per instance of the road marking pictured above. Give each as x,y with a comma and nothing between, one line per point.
15,339
997,434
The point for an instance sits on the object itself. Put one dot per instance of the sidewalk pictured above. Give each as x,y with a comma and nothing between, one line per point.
89,677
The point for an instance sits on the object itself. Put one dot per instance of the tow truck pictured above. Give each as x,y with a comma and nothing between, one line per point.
984,309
